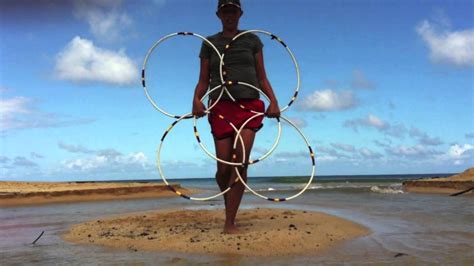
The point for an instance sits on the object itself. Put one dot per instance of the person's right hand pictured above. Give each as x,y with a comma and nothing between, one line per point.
198,108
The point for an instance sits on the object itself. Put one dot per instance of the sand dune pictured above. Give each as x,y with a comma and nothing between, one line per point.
452,184
30,193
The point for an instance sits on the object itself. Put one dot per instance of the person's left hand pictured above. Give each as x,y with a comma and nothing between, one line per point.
273,110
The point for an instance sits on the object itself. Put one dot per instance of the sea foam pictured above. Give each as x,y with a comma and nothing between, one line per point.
388,190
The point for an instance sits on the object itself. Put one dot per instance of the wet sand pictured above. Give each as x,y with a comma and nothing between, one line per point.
452,184
34,193
264,232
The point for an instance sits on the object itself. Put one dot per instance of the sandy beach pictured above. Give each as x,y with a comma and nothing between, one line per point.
339,222
449,185
264,232
34,193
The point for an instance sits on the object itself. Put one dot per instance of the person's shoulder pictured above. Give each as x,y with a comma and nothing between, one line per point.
251,36
213,37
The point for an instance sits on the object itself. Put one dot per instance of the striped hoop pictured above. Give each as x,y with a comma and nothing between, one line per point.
210,154
150,51
179,193
273,37
311,153
223,87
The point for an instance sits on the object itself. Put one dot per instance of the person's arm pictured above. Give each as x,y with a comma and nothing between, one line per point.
273,110
201,88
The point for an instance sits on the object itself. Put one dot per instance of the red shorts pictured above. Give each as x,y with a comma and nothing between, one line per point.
231,111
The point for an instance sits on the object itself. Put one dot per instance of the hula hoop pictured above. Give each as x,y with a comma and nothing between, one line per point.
273,37
158,161
223,88
150,99
179,193
210,154
304,188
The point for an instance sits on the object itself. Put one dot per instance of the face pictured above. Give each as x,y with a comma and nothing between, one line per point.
229,16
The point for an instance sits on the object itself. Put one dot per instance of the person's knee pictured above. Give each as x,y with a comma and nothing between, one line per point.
223,171
243,173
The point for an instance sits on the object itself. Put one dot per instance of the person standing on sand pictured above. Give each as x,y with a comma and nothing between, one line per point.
243,62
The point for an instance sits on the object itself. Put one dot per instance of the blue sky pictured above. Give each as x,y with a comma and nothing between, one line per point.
386,87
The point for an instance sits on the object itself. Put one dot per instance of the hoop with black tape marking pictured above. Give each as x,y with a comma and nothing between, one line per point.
179,193
150,99
271,149
210,154
304,188
273,37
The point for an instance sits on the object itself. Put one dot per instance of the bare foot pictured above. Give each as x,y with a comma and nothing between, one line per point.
231,229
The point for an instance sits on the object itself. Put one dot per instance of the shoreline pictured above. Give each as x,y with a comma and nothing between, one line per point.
453,185
37,193
264,232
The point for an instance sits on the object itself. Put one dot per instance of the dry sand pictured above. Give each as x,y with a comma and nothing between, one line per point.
452,184
264,232
30,193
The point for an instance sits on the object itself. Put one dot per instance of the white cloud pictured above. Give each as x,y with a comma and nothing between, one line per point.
107,162
105,18
13,111
417,151
332,153
86,164
360,81
458,154
369,154
82,61
325,158
36,155
23,162
104,163
374,121
459,151
344,147
19,113
329,100
448,47
424,138
14,106
74,148
394,130
383,144
370,121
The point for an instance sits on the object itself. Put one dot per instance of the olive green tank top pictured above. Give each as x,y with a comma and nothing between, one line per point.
239,61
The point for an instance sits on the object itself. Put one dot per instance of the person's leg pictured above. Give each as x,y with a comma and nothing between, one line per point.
224,152
234,196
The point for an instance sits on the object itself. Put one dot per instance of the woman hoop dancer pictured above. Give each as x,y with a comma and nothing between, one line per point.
243,62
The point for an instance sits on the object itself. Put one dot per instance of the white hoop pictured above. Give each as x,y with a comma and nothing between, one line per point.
304,188
298,81
223,88
146,61
179,193
210,154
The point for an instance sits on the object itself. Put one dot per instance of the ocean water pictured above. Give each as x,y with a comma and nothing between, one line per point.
407,228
